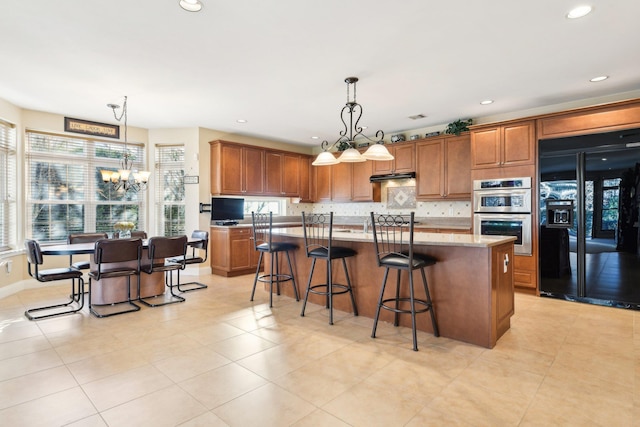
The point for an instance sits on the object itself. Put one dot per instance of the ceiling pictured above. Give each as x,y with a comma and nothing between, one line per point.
281,64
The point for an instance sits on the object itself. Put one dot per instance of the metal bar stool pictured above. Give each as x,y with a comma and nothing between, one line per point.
394,249
75,304
202,244
262,240
318,229
161,251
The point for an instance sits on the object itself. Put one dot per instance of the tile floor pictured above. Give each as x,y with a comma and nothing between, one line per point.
219,360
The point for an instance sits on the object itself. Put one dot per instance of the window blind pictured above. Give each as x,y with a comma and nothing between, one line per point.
170,190
8,213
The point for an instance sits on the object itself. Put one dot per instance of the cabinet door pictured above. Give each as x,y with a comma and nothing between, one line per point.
305,179
341,182
322,183
252,171
383,167
518,144
405,160
485,148
231,166
273,164
241,249
362,189
291,175
430,174
457,168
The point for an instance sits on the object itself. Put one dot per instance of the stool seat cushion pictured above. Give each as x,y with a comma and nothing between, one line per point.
58,274
276,247
336,252
402,261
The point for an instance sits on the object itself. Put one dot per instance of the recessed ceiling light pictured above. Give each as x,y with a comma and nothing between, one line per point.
579,12
241,121
191,5
315,137
486,102
604,159
599,79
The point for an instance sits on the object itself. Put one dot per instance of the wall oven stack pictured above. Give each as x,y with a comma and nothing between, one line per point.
503,207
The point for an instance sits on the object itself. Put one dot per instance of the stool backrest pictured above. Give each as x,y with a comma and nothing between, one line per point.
262,224
318,230
393,235
168,247
116,250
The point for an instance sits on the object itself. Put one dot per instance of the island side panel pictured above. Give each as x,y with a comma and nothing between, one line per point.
462,283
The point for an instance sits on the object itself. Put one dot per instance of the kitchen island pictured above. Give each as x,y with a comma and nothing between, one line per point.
471,284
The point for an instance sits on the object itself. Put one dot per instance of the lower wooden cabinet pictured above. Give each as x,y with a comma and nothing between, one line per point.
232,251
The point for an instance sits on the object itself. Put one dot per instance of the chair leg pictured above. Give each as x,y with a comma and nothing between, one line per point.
306,295
132,307
434,323
273,256
293,279
396,316
330,290
255,280
276,256
75,298
175,298
413,311
375,318
353,298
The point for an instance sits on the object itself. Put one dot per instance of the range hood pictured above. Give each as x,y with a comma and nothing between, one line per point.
387,177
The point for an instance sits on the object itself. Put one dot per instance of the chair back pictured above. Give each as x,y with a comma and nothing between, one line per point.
262,225
116,250
34,257
139,234
393,238
318,230
202,243
84,238
161,247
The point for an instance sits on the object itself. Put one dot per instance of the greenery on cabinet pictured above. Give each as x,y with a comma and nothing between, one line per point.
458,126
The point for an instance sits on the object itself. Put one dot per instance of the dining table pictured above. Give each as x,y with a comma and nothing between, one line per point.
114,290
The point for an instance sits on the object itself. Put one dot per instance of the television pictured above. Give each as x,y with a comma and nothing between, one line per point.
226,210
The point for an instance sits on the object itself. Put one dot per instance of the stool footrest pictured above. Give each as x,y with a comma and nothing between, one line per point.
422,302
274,278
343,289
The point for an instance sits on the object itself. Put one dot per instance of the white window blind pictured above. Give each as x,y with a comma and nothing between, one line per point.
65,192
170,191
8,214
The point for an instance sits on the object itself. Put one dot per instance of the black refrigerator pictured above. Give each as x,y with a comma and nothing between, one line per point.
589,192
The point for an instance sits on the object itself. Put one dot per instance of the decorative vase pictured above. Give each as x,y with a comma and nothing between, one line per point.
125,234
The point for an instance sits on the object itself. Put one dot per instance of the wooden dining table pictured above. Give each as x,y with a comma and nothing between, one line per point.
114,290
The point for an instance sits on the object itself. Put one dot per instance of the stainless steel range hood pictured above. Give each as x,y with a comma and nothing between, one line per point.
389,176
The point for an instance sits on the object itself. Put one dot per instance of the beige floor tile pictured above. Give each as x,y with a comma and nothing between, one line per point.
18,328
92,421
33,386
270,406
221,385
213,333
163,348
23,346
431,417
190,363
56,409
120,388
320,418
106,364
28,363
208,419
241,346
170,406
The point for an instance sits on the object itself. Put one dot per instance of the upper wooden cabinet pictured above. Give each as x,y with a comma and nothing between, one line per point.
404,160
306,183
511,144
322,177
444,168
236,169
362,190
282,174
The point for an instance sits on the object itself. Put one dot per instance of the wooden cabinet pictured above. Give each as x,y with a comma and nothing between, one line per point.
511,144
345,182
306,183
282,174
362,190
236,169
322,183
234,252
341,182
443,168
404,160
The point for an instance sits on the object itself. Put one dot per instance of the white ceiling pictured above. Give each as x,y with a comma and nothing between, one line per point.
281,64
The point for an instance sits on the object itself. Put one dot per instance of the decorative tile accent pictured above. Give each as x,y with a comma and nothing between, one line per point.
401,197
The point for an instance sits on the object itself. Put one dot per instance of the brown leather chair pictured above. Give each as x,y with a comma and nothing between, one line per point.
83,238
160,255
194,256
318,229
393,239
139,234
262,228
116,258
76,302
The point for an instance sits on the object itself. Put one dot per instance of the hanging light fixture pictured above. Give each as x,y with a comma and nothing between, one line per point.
348,135
125,178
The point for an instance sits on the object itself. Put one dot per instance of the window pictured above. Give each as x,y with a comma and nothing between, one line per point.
610,201
8,224
277,206
170,194
65,192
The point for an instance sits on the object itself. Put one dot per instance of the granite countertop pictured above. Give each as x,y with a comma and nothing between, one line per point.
437,239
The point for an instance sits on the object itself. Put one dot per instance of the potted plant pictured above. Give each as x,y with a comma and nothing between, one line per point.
459,126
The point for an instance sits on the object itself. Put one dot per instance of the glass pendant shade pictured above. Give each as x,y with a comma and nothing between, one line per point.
351,155
325,159
377,152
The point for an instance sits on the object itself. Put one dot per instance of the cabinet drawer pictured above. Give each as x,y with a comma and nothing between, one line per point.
240,232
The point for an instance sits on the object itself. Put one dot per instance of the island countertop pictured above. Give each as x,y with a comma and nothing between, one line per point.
419,238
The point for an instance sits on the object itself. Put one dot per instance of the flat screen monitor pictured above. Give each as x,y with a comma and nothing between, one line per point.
226,210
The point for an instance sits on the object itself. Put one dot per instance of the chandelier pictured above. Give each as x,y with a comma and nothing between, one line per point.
347,139
125,178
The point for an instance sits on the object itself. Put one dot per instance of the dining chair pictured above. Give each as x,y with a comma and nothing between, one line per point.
393,240
83,238
139,234
112,259
197,255
76,302
161,252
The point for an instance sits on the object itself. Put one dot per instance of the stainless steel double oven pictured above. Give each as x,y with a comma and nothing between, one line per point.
503,207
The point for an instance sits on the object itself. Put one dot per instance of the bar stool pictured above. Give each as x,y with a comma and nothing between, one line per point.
318,229
201,244
394,249
160,251
75,304
115,258
262,240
